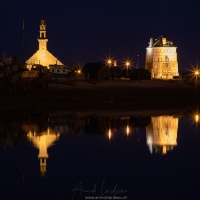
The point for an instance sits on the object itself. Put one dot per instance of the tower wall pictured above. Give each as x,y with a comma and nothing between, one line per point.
161,60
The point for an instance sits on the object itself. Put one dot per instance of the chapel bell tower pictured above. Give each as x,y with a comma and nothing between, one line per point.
43,37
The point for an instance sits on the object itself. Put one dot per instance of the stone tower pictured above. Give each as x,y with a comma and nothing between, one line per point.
161,59
42,55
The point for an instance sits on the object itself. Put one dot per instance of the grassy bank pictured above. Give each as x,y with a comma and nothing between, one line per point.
104,95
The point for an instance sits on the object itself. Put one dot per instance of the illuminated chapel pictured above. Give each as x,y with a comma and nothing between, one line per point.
161,59
42,55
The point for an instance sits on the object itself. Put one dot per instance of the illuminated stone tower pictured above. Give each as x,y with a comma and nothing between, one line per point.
42,55
161,134
161,59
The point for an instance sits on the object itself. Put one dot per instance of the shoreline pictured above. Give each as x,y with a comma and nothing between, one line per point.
104,95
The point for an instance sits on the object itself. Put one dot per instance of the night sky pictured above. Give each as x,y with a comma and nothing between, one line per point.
91,31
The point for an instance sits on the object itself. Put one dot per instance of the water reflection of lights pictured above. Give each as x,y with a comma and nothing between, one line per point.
127,130
150,143
196,118
109,134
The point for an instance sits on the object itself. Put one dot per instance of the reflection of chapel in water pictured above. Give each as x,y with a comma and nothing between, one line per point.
43,141
161,133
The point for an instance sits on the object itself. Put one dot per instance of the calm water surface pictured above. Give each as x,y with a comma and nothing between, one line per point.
99,156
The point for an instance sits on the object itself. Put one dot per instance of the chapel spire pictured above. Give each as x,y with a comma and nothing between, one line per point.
43,36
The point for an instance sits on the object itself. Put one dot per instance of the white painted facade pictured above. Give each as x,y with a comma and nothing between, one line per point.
59,69
42,56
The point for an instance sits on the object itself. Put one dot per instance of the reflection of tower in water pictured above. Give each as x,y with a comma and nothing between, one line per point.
43,141
161,133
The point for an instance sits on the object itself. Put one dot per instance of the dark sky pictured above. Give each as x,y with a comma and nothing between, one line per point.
90,31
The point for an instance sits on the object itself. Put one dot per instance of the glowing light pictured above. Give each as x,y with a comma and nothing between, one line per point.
109,134
195,72
196,118
115,63
78,71
127,130
127,64
109,61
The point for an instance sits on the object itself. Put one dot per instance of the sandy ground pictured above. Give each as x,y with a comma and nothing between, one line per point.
106,96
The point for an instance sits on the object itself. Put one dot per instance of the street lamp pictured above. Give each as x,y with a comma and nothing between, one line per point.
127,65
111,70
78,71
109,61
196,73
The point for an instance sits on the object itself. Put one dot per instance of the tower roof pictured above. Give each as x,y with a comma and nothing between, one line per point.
162,42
